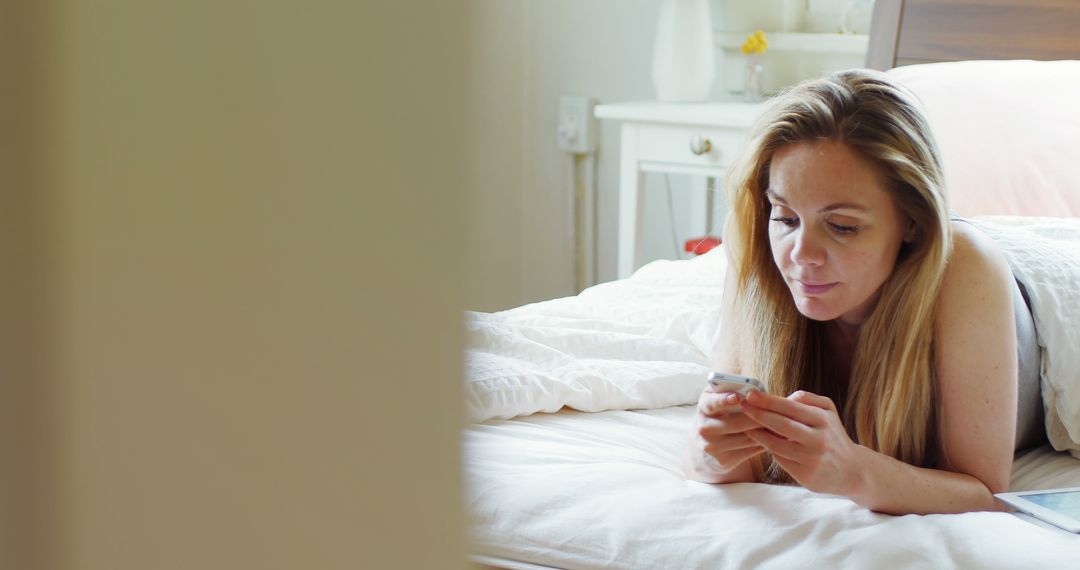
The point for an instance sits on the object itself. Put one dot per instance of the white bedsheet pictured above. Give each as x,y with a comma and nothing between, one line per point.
606,490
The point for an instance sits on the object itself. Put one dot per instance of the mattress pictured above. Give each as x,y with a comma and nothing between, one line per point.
607,490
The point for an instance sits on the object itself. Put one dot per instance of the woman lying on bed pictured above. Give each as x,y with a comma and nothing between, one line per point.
884,330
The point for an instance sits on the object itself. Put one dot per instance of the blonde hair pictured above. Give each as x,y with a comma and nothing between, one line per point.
890,401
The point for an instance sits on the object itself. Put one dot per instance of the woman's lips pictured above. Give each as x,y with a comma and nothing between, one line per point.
814,288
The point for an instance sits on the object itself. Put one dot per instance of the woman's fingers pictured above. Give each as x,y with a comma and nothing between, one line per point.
779,424
739,455
732,450
778,446
812,399
793,408
728,443
718,403
720,425
713,427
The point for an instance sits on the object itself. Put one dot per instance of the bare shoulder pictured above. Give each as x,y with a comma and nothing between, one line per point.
977,274
975,306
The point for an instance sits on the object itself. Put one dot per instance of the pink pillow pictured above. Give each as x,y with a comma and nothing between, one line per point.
1008,131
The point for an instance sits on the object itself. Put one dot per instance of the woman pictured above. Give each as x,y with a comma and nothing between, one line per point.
885,332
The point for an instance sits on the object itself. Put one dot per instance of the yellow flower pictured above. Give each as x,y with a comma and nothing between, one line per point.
755,43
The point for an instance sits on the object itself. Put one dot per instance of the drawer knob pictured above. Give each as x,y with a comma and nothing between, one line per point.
700,145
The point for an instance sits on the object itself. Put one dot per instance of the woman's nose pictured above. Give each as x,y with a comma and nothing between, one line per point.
807,249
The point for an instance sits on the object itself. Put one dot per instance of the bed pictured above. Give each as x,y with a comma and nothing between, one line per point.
581,406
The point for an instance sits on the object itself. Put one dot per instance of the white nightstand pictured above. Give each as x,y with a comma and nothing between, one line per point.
697,139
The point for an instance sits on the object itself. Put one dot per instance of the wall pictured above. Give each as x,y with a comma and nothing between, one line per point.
235,354
603,49
526,54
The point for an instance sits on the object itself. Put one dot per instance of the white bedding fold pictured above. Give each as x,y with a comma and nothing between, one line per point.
637,343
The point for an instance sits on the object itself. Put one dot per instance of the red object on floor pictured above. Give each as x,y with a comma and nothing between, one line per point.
698,246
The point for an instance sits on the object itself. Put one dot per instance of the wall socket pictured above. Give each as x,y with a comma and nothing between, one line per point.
577,125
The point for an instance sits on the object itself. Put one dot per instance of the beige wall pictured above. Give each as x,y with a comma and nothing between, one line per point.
603,49
526,53
236,212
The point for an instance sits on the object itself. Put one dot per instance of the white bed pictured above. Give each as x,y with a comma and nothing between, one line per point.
580,406
606,489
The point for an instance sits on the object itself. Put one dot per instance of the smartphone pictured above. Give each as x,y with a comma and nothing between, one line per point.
735,383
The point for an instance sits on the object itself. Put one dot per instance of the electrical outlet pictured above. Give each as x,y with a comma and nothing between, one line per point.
577,126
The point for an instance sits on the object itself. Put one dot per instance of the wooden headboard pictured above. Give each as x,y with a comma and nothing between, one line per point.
906,32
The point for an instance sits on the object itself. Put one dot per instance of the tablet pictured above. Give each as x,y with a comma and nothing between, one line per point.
1059,507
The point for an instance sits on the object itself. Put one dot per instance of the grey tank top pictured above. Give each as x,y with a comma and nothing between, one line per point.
1030,420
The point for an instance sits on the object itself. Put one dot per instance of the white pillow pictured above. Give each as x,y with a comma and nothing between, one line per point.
1044,254
1007,132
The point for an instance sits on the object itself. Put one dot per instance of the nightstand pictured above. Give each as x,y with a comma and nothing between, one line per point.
696,139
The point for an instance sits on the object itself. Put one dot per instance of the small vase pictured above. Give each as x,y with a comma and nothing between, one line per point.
753,80
683,56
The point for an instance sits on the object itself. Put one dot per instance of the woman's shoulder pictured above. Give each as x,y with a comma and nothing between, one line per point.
977,273
974,252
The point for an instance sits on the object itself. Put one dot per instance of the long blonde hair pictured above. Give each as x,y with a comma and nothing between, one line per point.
890,401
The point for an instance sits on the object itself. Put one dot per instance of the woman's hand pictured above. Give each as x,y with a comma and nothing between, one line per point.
806,437
719,446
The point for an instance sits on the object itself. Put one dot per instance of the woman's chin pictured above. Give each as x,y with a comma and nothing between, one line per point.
815,309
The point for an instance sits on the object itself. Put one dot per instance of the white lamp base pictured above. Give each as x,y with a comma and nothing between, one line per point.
684,64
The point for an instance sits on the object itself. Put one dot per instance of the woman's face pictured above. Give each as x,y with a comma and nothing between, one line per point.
834,230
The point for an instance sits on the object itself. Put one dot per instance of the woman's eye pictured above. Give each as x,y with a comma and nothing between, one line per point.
789,222
844,229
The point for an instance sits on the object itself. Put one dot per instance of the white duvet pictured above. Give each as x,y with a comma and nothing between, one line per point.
636,343
591,490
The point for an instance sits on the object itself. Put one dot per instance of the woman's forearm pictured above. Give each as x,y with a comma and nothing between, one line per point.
887,485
